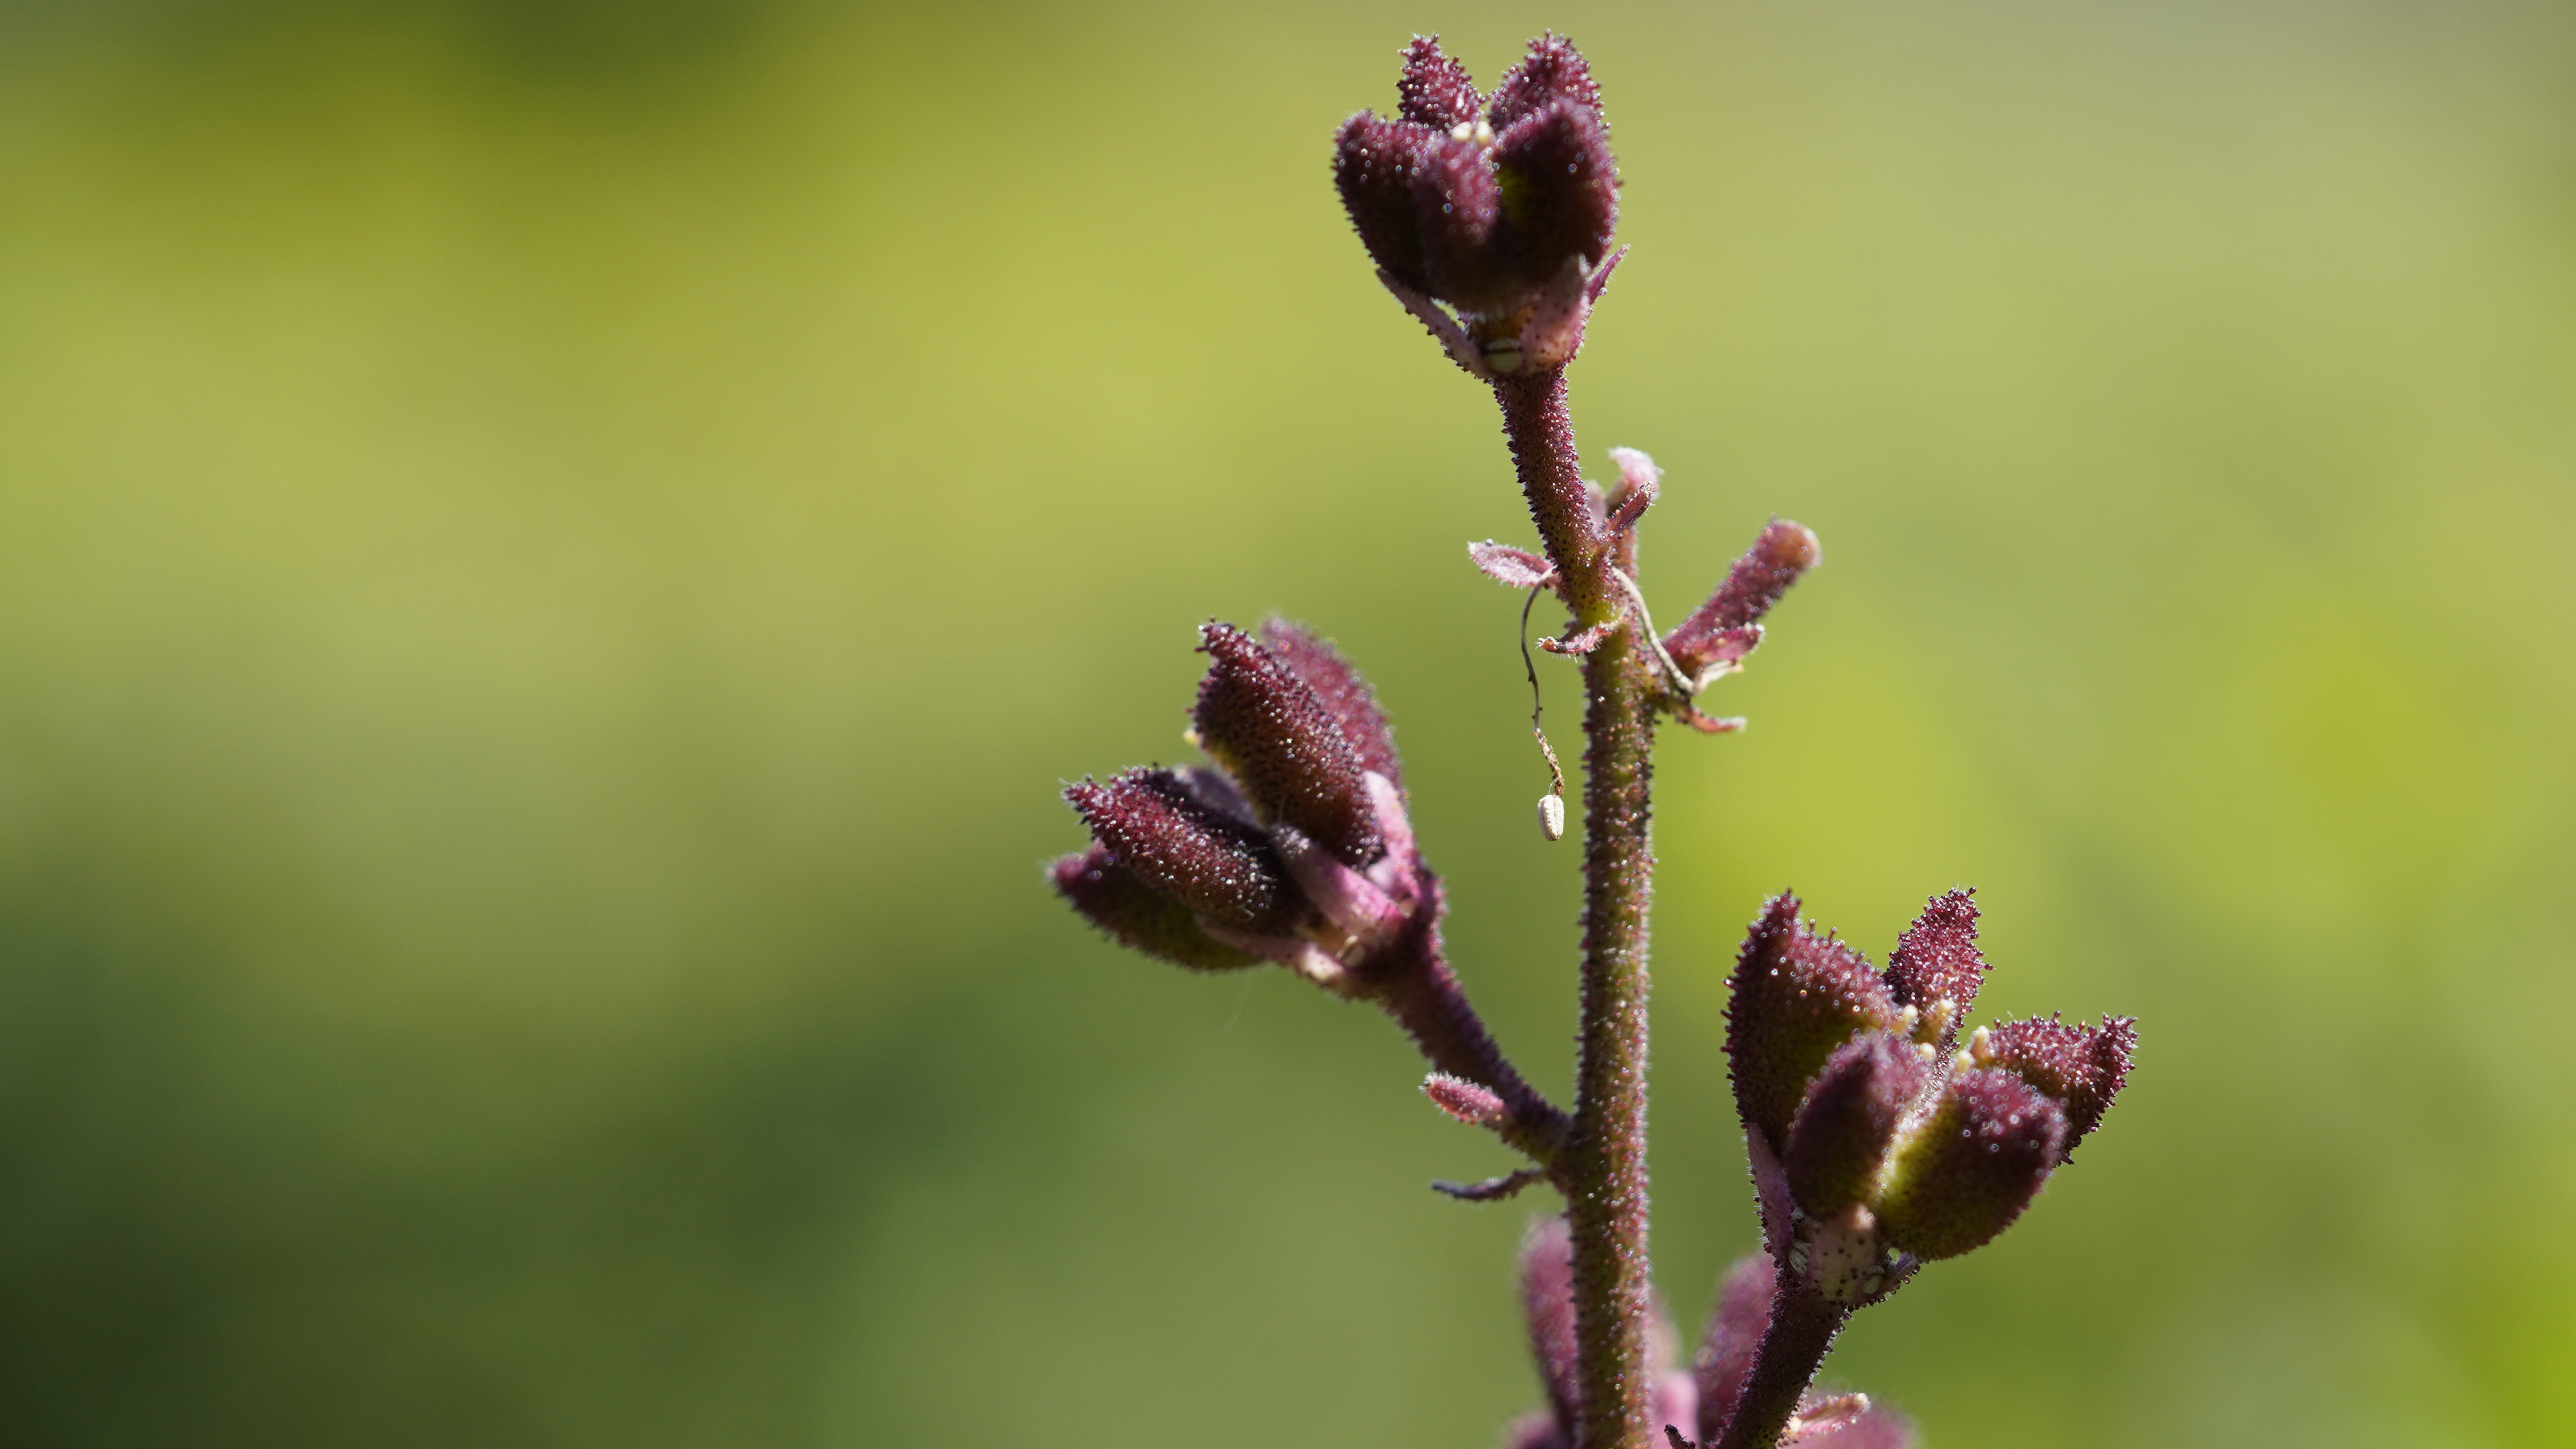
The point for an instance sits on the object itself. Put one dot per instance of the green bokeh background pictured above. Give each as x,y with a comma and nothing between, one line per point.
553,557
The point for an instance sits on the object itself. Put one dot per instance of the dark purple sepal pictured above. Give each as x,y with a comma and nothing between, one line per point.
1559,191
1937,968
1136,915
1551,69
1785,551
1849,1116
1340,689
1225,870
1374,164
2083,1069
1796,997
1260,720
1434,89
1969,1168
1726,1351
1458,213
1547,1307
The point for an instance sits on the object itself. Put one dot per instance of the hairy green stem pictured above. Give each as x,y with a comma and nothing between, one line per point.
1602,1171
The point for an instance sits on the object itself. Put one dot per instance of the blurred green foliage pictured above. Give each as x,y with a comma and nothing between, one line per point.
554,555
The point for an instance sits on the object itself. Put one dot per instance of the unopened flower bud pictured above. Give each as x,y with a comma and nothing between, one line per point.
1722,631
1265,725
1490,213
1220,867
1469,1103
1937,968
1849,1117
1118,901
1797,996
1340,690
2083,1069
1964,1172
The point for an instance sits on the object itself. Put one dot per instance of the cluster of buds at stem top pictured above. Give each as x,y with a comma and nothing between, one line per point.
1295,850
1502,207
1881,1135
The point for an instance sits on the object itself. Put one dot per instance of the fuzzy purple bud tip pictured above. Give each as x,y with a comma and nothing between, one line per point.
1340,690
1717,632
1434,90
1551,70
1469,1103
1850,1115
1937,961
1222,868
1119,901
1262,722
1797,996
1969,1168
2082,1069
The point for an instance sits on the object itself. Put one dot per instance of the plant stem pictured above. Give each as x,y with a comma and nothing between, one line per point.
1802,1327
1418,989
1603,1170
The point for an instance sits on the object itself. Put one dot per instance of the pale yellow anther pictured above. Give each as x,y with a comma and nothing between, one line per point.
1484,132
1461,131
1981,1046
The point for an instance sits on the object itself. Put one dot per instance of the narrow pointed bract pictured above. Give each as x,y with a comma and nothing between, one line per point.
1261,721
1969,1168
1797,996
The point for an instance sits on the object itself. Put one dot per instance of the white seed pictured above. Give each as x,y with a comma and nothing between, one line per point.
1551,816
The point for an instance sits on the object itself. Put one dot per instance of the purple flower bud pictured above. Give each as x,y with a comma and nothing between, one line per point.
1964,1172
1937,968
1220,867
1552,69
1714,636
1374,162
1850,1115
1259,720
1547,1304
1507,218
1735,1326
1796,997
2082,1069
1458,210
1118,901
1434,90
1559,187
1342,692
